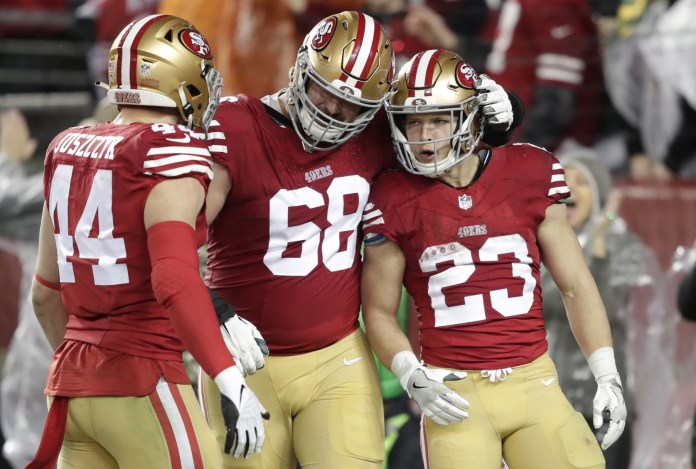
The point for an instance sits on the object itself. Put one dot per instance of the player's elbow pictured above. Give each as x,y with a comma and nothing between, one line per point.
43,299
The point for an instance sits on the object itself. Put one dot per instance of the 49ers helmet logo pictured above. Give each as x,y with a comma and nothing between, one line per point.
324,33
466,75
196,43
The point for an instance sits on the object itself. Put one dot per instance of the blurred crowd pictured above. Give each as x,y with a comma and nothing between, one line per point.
609,86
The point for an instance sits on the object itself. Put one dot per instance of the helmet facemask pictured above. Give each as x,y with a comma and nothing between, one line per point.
214,83
462,139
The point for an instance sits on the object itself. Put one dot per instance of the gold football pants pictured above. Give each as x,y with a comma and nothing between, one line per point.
526,419
165,429
326,409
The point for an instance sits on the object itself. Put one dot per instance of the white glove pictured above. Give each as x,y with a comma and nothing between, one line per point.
426,386
243,339
609,398
243,414
494,103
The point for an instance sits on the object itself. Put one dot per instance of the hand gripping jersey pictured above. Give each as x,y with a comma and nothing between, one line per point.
96,182
285,247
472,260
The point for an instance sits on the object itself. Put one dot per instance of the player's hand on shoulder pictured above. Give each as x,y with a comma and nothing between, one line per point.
243,414
494,103
427,387
609,400
243,339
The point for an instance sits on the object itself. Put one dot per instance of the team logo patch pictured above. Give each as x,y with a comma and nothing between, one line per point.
196,43
319,173
347,90
472,230
465,202
466,76
324,33
419,102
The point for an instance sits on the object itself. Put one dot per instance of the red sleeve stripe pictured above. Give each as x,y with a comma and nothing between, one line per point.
558,183
217,142
46,283
370,216
173,164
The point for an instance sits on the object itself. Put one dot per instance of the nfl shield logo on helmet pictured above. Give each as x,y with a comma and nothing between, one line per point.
465,202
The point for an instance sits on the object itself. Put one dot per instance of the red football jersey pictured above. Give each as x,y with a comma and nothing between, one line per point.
285,247
549,43
96,182
472,259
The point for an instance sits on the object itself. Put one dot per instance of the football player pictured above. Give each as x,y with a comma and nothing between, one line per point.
292,177
465,229
117,287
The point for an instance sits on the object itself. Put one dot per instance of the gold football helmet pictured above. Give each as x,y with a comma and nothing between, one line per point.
163,61
348,55
436,81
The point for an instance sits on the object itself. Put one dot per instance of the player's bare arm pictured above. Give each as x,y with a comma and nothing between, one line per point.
47,302
161,205
563,256
242,410
217,192
561,253
382,275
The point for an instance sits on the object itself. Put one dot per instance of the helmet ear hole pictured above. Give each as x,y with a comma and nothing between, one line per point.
193,91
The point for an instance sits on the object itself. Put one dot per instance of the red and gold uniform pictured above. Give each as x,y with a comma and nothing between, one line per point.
553,44
472,268
120,360
285,251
